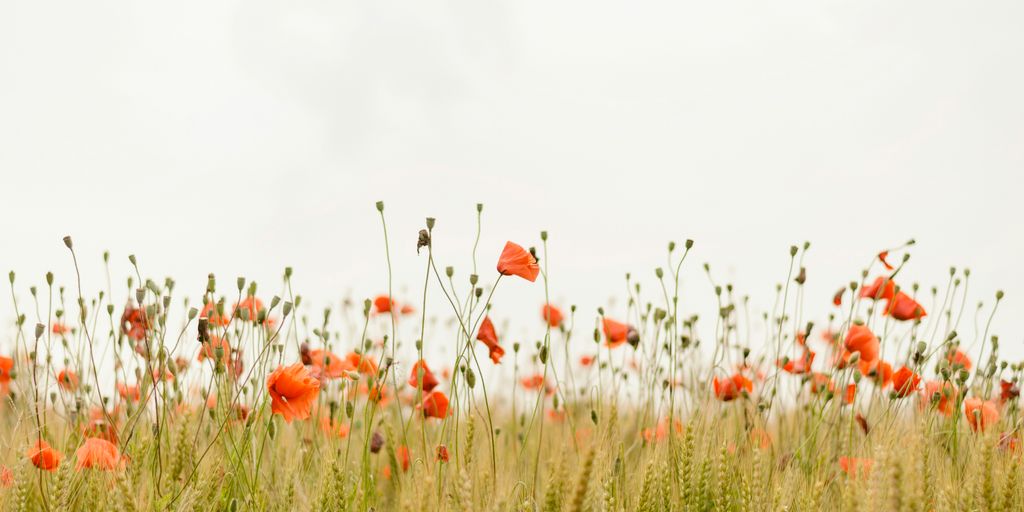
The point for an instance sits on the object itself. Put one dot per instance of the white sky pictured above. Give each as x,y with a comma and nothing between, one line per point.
241,137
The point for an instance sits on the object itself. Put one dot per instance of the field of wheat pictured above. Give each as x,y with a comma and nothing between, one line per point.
143,396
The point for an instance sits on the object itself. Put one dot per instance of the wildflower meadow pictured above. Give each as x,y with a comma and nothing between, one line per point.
140,395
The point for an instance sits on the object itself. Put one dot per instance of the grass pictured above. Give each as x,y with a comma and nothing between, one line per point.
638,412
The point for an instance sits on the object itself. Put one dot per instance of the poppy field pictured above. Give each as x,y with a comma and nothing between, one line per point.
887,396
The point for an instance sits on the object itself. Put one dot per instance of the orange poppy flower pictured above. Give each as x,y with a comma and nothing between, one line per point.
981,414
252,306
489,337
407,309
6,476
533,382
429,382
129,392
442,453
329,364
134,323
586,360
837,299
861,339
882,288
760,438
402,453
6,365
43,456
661,432
958,358
516,261
882,257
856,467
731,388
67,380
616,333
383,304
943,393
97,453
60,329
880,371
902,307
435,405
212,346
797,366
850,394
292,391
362,364
552,315
905,382
821,382
333,427
211,314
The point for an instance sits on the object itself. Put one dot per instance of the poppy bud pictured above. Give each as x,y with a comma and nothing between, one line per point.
430,223
792,250
544,236
286,309
272,428
131,259
49,278
479,207
349,410
10,276
921,347
999,295
658,272
671,246
470,378
854,357
40,328
593,416
241,283
449,271
110,309
473,279
543,355
380,206
67,242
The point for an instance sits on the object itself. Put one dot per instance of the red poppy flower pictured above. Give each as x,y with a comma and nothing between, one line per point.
850,394
6,365
60,329
981,414
958,358
292,391
615,333
943,393
489,337
429,382
43,456
732,388
134,323
837,299
534,382
905,382
882,288
861,339
821,382
407,309
252,306
435,405
1008,391
516,261
552,315
129,392
798,366
97,453
6,476
902,307
210,313
880,371
402,453
882,257
333,427
330,365
586,360
856,467
67,380
362,364
383,304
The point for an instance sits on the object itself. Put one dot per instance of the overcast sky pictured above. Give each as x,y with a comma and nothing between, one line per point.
241,137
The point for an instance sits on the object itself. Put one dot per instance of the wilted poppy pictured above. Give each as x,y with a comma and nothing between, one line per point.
97,453
43,456
292,391
516,261
435,405
429,381
552,315
861,339
489,337
905,382
981,414
731,388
